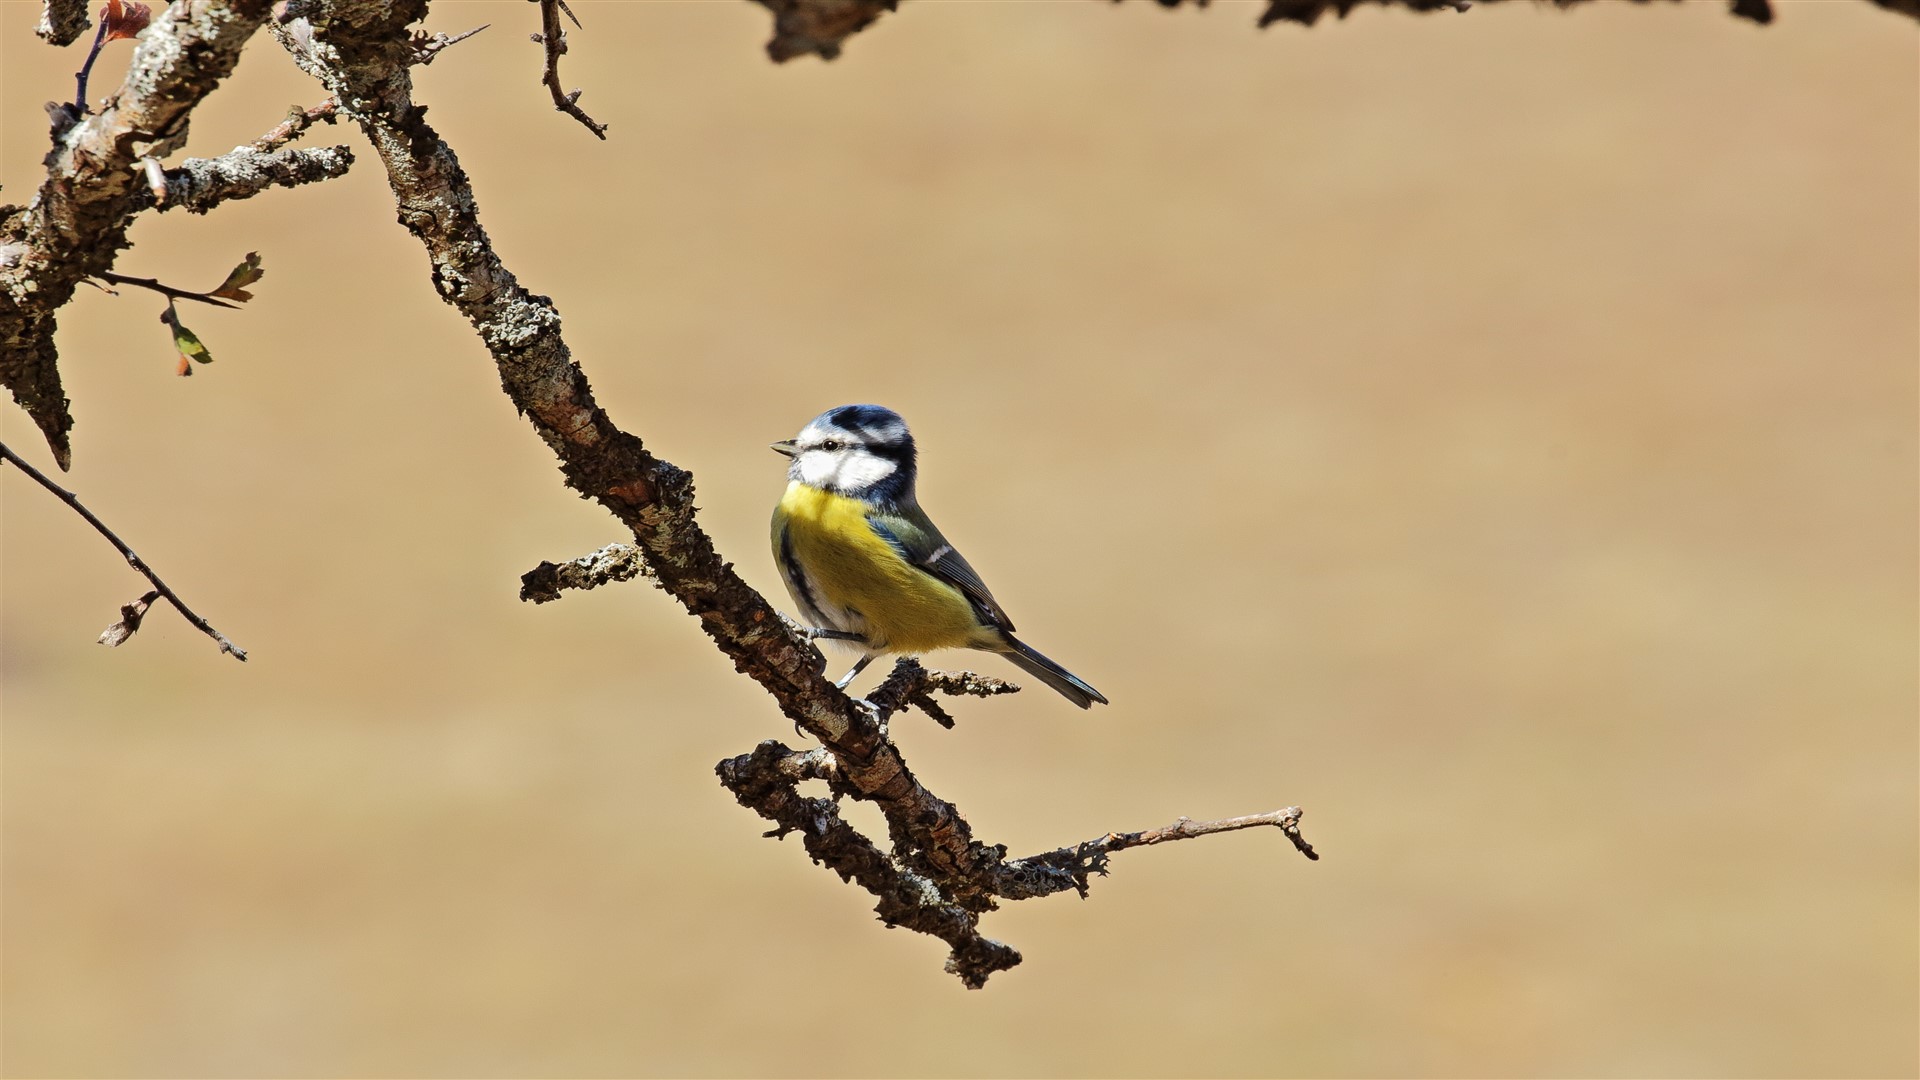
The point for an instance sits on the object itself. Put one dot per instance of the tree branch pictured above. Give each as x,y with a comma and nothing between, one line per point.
554,38
819,27
937,878
77,224
615,562
63,21
168,291
131,614
296,124
200,184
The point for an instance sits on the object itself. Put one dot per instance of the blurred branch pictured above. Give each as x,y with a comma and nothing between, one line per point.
936,878
819,27
130,615
554,38
63,21
1308,12
615,562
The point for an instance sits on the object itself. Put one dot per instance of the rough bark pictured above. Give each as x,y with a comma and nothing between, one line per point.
77,223
63,21
937,878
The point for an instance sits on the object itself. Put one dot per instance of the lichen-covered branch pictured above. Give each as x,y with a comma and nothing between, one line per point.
296,124
200,184
63,21
77,223
765,782
936,877
615,562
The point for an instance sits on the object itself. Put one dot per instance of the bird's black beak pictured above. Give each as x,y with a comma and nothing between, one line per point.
785,446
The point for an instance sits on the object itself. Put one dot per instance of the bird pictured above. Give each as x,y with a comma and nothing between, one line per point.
868,568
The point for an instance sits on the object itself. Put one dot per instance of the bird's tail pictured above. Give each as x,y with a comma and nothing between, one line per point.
1070,686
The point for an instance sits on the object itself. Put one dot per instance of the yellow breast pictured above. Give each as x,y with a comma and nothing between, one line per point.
901,607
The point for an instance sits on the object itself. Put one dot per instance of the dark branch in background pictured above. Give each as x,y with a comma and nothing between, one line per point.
821,27
63,21
937,876
131,614
554,38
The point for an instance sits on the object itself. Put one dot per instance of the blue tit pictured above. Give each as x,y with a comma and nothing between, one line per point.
867,567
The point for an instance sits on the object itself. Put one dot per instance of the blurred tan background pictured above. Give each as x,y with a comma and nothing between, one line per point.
1494,433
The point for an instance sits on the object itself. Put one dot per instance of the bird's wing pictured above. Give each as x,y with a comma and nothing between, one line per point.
909,531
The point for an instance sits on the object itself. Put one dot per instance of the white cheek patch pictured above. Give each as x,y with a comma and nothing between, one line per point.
844,471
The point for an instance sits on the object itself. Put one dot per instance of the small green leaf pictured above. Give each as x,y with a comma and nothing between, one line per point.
248,272
186,342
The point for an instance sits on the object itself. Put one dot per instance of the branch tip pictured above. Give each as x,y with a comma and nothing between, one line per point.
130,614
554,39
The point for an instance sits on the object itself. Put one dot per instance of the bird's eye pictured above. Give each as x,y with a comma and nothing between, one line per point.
830,445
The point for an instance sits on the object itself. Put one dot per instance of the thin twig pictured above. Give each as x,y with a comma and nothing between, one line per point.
1287,820
86,68
1073,867
910,684
427,46
555,41
133,560
167,291
297,122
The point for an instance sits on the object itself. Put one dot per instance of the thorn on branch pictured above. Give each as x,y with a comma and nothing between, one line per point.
427,46
554,38
808,26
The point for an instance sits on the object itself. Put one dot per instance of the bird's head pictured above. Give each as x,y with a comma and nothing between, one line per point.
862,451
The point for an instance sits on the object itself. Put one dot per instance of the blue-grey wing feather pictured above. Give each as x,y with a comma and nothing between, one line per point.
909,532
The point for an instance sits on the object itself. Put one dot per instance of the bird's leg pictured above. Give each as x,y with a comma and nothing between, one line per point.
815,633
858,667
